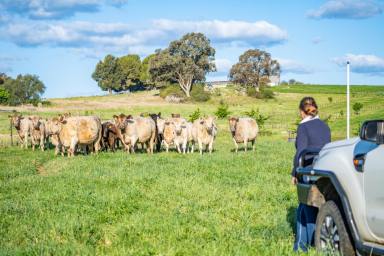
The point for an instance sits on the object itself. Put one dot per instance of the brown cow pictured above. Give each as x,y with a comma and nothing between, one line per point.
159,122
204,132
169,133
243,129
24,128
110,134
39,133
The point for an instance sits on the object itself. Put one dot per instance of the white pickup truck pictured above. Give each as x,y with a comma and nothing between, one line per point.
345,180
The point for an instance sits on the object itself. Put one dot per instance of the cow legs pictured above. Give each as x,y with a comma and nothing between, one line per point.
26,140
33,143
236,145
253,145
166,146
112,144
184,146
151,146
245,144
57,149
133,144
33,146
200,146
72,147
158,143
178,147
42,141
210,147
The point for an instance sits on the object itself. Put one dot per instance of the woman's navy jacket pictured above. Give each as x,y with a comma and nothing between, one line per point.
312,134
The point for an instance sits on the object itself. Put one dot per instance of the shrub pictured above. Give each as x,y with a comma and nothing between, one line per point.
199,94
171,89
263,93
222,111
195,115
251,91
46,103
216,92
260,118
4,96
357,107
330,99
357,129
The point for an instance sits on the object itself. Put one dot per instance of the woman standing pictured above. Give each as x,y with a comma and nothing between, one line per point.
314,134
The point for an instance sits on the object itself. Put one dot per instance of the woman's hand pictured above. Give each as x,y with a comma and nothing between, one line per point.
294,181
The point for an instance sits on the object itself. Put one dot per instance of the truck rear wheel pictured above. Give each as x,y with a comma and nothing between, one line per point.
331,234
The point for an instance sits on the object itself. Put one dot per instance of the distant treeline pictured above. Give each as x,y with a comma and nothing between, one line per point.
20,90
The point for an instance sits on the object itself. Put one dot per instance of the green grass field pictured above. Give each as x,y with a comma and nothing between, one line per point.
164,204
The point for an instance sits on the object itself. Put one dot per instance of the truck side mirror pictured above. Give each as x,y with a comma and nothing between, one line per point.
373,131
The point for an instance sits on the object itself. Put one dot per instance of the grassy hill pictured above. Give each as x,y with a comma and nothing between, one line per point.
168,204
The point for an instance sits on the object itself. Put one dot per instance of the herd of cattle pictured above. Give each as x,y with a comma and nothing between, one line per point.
87,133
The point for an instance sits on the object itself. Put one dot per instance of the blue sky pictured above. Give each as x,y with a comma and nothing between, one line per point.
62,40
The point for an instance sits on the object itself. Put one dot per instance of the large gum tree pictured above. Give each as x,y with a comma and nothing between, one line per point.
185,61
254,68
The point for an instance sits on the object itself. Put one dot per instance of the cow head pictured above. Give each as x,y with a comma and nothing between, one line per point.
155,116
53,125
208,123
160,125
179,125
16,119
169,123
36,122
120,121
233,123
105,129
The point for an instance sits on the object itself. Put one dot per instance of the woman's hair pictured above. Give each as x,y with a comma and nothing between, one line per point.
308,106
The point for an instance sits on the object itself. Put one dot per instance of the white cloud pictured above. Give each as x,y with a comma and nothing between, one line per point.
346,9
362,63
259,32
75,34
49,9
223,65
122,37
294,67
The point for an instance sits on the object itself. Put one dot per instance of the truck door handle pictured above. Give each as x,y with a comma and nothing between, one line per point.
358,162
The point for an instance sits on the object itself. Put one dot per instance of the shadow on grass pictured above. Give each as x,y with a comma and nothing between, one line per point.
291,218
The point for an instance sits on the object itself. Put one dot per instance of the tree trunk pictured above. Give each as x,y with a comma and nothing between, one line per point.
185,84
109,91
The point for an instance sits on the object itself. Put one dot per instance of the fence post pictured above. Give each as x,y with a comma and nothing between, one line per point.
10,128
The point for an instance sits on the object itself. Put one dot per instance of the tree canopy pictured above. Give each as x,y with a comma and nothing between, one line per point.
121,73
145,76
130,66
185,61
108,74
24,89
254,68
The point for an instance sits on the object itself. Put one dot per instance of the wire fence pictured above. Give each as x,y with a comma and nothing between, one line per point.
8,134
